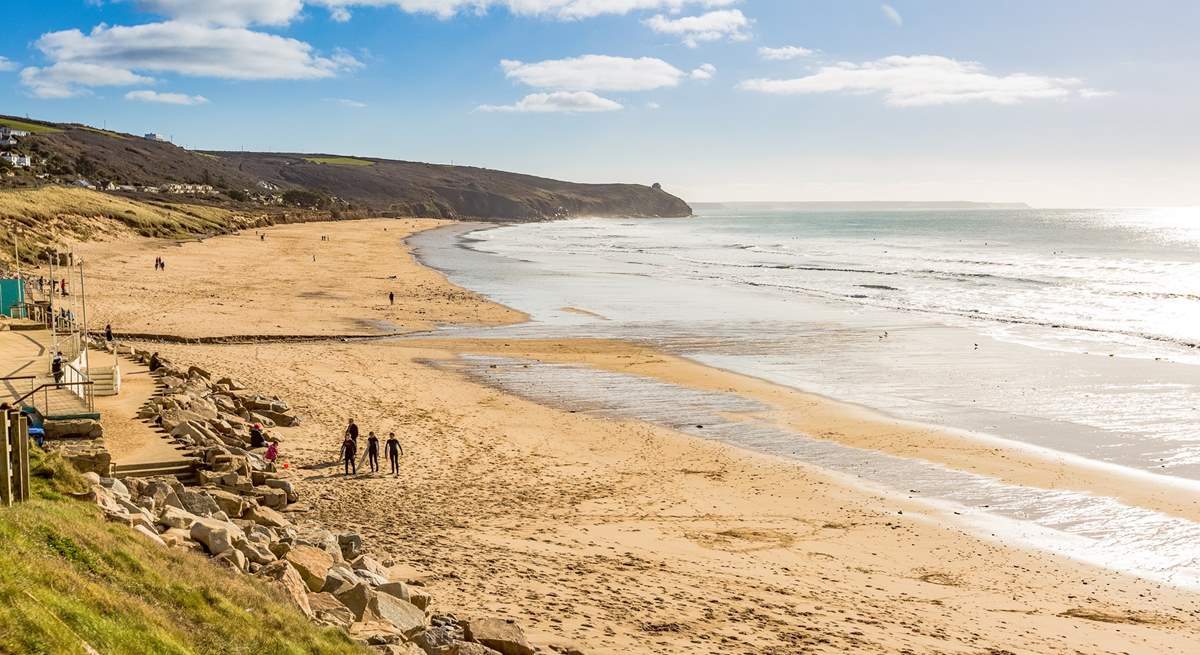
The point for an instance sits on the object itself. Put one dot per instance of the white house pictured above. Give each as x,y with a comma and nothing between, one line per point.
17,160
155,136
9,133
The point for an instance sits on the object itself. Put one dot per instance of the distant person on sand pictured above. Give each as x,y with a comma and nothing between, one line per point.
391,298
56,367
373,451
352,430
155,362
394,451
349,450
108,333
272,451
262,237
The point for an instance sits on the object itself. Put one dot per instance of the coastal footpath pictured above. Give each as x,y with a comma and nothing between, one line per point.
593,534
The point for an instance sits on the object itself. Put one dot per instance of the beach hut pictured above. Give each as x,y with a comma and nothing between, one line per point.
12,298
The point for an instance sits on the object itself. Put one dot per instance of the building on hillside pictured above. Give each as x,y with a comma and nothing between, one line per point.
17,160
9,133
188,189
155,136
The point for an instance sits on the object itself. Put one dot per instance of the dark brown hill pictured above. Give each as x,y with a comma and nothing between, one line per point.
69,151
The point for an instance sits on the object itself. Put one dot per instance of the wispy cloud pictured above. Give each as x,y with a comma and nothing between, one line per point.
729,24
558,102
562,9
892,15
923,80
7,64
594,73
123,55
704,72
785,53
346,102
236,13
166,98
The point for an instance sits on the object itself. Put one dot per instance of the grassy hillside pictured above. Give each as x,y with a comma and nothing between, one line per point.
40,217
33,128
70,581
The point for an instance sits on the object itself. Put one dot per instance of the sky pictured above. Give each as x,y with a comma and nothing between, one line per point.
1070,103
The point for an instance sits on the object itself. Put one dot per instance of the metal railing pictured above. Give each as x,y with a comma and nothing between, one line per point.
82,389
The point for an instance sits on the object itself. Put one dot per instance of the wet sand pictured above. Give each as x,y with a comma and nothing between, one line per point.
618,536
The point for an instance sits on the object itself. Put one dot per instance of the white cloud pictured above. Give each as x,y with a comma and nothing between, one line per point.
70,79
563,9
346,102
921,81
594,73
166,98
7,64
235,13
785,53
174,47
704,72
653,105
729,24
558,102
892,15
1095,93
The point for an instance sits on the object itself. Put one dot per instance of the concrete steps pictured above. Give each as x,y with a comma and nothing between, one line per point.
182,470
106,380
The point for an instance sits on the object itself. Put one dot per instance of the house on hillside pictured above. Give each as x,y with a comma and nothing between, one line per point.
155,136
17,160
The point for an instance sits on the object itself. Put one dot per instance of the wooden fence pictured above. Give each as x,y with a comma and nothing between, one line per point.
14,458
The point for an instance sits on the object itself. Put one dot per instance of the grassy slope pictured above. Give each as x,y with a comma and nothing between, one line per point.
32,128
339,161
68,578
40,216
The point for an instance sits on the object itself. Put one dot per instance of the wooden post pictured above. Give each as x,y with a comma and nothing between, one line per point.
21,431
6,496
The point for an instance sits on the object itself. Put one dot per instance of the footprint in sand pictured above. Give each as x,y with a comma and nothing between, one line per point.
743,540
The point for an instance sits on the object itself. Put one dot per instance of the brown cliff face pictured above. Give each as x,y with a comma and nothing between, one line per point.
377,185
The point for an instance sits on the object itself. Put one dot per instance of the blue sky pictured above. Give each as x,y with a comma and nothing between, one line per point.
1064,103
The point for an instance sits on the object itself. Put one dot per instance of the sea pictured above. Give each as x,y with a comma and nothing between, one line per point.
1072,331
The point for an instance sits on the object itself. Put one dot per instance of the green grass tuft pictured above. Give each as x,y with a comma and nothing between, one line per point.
32,128
339,161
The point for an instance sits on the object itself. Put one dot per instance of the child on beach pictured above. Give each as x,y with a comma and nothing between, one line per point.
394,451
272,452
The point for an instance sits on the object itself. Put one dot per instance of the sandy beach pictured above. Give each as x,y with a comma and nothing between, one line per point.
616,536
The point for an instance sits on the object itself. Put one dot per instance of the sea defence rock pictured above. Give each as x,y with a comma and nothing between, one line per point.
239,516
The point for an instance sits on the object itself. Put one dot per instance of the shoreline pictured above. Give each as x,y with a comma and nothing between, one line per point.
525,509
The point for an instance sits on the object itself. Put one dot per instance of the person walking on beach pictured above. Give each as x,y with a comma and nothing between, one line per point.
272,452
391,297
349,450
394,451
373,451
108,333
352,430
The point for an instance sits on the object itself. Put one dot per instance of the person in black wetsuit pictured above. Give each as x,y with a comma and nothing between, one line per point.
394,451
373,451
352,430
349,450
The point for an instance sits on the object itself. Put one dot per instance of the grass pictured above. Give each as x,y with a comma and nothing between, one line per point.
42,216
339,161
70,581
32,128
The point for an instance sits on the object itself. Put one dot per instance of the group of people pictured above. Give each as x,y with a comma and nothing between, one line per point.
351,459
160,264
259,438
59,286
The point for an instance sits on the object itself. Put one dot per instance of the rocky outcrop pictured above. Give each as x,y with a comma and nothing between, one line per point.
238,516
